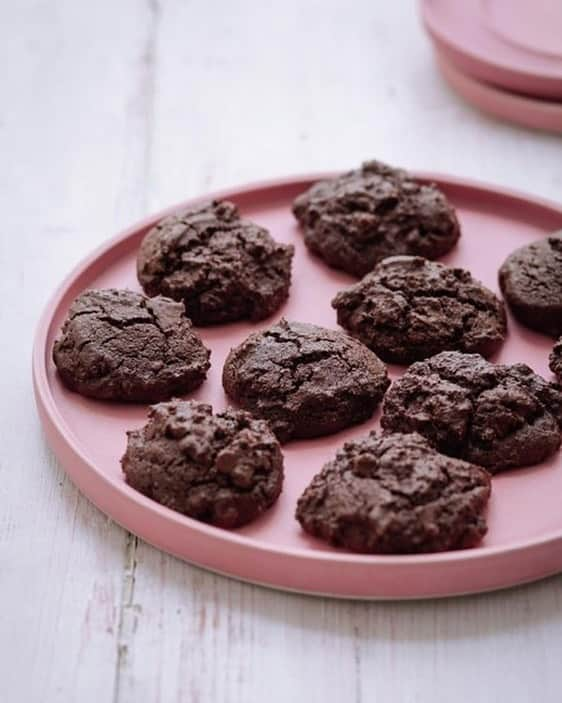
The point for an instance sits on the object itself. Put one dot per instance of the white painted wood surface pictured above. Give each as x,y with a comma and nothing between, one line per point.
108,111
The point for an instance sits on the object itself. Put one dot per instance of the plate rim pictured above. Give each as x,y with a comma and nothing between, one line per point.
530,101
553,77
47,404
515,109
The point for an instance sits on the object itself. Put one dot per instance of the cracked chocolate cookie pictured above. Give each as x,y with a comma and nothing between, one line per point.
395,494
120,345
306,381
224,469
556,359
531,281
496,416
357,219
409,308
222,267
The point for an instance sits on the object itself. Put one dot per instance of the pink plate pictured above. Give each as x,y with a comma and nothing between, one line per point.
525,537
514,44
519,109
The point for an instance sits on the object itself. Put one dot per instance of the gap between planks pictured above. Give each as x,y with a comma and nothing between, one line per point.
128,612
143,106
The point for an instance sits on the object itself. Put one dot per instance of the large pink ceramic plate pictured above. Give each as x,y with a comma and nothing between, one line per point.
525,514
514,44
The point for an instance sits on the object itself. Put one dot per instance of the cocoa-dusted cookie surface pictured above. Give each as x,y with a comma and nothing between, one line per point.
556,359
409,308
361,217
306,381
497,416
395,494
224,469
222,267
120,345
531,281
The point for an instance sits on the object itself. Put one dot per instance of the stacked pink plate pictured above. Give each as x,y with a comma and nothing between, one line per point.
504,56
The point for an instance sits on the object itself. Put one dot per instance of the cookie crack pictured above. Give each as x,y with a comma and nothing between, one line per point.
412,296
167,336
305,358
82,313
145,305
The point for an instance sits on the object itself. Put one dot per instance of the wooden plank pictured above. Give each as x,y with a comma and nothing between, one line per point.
200,637
73,133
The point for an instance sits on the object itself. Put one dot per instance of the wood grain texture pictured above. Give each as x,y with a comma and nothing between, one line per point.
111,110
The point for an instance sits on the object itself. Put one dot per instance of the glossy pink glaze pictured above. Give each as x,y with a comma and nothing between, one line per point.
513,44
525,537
525,111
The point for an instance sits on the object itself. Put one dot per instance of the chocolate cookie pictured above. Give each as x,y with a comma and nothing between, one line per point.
409,308
531,281
395,494
496,416
222,267
306,381
357,219
225,469
120,345
556,359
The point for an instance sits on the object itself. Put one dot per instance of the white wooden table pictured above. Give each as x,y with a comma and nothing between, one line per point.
110,110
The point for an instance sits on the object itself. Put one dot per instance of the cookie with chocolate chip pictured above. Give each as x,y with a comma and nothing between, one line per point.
409,308
357,219
494,415
395,494
221,266
225,469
